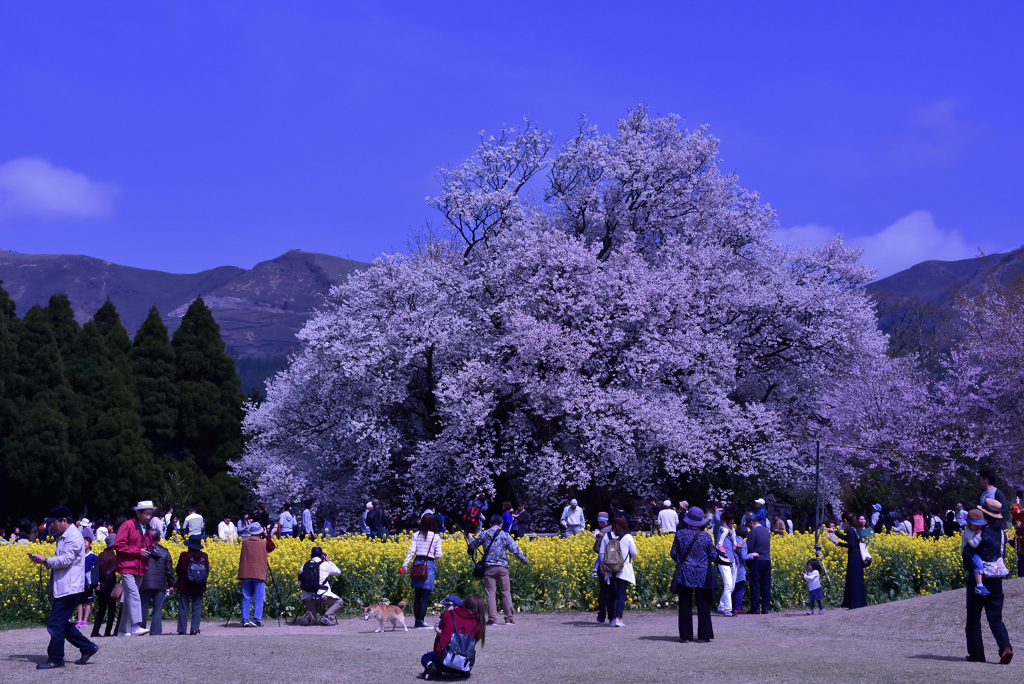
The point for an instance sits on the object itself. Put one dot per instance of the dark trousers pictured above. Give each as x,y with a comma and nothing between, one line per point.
105,608
620,587
737,595
420,603
438,661
61,630
993,605
189,604
156,597
605,600
759,575
704,629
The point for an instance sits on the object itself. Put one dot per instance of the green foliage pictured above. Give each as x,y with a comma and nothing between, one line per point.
90,419
154,370
38,461
209,428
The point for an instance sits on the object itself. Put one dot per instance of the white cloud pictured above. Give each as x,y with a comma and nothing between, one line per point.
32,186
911,240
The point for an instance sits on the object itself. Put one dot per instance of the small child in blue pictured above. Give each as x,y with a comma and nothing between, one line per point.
971,537
814,590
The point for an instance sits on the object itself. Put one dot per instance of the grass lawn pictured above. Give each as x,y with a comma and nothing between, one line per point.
918,640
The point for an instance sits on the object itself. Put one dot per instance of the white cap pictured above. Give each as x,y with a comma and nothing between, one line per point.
759,501
85,522
666,503
573,502
369,505
145,505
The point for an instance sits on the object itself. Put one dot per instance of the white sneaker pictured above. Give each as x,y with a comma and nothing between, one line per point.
617,623
139,631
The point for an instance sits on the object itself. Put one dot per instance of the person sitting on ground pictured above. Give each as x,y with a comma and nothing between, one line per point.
193,571
159,576
462,617
313,599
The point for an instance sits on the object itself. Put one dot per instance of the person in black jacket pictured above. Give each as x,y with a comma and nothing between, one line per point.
989,550
854,593
376,521
759,570
159,575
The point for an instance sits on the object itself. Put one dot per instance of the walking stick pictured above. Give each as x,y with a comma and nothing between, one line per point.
277,601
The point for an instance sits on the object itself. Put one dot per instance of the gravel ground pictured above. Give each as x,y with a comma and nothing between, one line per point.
920,640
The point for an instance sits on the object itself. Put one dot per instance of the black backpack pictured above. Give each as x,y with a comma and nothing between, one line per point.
309,577
196,572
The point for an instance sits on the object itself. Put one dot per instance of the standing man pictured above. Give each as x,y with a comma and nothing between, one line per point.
307,522
67,582
668,519
194,524
156,524
376,522
226,529
133,545
759,572
287,521
987,480
475,510
167,518
497,544
252,570
572,519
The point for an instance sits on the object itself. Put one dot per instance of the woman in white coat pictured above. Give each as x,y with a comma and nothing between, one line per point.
622,578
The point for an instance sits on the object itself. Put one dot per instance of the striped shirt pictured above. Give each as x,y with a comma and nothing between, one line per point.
430,546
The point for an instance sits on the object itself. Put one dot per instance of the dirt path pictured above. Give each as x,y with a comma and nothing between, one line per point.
920,640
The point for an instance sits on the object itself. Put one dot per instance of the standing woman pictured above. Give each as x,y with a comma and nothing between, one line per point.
693,551
621,580
425,545
854,594
727,547
192,583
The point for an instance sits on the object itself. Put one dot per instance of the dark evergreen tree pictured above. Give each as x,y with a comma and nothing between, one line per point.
153,359
8,368
114,466
209,427
39,463
62,320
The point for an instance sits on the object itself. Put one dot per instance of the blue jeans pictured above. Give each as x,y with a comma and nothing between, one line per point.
60,629
620,587
976,563
250,588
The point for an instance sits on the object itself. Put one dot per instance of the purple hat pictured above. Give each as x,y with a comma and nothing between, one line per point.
694,517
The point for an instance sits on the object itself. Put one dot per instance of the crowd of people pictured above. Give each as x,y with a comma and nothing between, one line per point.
719,553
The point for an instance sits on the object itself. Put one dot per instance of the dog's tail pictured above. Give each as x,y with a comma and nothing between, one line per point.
402,604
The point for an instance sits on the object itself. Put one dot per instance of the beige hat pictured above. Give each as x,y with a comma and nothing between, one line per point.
145,505
992,508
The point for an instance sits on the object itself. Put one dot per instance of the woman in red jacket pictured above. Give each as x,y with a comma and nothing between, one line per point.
465,617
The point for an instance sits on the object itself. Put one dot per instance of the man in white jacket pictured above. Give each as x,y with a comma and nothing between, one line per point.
668,519
572,518
67,582
323,596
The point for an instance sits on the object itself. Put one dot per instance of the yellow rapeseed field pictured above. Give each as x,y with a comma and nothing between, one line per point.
557,579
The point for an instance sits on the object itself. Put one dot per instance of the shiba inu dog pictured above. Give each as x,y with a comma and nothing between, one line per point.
386,613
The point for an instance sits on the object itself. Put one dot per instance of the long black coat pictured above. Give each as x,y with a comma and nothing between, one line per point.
854,594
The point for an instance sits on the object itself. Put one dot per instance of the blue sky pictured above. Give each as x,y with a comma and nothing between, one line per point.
183,136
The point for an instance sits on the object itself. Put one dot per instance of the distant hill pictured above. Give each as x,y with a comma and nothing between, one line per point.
259,310
930,280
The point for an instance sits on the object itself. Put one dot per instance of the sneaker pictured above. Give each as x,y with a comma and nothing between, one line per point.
256,623
50,664
510,621
195,633
737,611
139,631
86,654
810,612
328,622
727,613
1006,657
80,624
491,623
821,611
981,590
